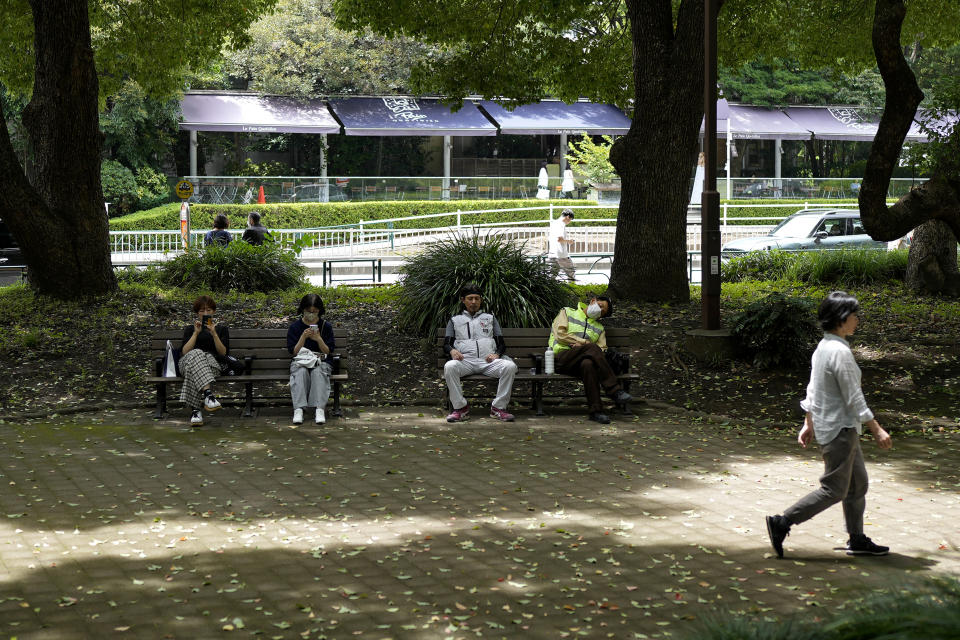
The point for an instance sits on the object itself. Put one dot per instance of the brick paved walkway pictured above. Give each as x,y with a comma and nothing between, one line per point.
394,524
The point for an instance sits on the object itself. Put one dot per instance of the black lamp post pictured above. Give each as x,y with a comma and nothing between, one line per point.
710,201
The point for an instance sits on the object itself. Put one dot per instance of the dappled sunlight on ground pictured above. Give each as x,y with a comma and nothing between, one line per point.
395,524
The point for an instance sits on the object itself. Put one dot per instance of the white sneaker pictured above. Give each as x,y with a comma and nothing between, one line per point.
196,418
321,418
298,416
211,404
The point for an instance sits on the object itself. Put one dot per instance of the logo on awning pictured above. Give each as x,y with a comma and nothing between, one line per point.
849,117
405,110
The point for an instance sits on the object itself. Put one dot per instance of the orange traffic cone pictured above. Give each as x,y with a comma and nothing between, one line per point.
261,199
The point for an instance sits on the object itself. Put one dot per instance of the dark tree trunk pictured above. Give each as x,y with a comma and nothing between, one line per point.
656,158
933,260
59,220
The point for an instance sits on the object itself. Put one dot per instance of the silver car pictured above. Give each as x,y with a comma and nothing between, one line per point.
809,230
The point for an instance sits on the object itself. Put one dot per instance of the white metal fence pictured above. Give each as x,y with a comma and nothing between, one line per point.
381,238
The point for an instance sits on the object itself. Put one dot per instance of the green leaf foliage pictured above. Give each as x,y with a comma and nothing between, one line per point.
777,330
518,290
592,160
848,267
149,41
237,267
297,50
328,214
119,186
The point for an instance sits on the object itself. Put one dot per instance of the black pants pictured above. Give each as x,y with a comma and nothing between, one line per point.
588,363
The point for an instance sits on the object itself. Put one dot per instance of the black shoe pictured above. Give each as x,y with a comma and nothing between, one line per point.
622,397
861,545
602,418
777,528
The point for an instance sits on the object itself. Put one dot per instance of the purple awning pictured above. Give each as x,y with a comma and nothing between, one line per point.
750,122
255,114
834,123
552,117
397,116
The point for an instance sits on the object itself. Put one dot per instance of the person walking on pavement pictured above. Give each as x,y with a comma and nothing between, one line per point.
557,245
474,342
579,343
835,412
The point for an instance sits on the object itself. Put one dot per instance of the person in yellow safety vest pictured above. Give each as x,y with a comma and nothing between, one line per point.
578,342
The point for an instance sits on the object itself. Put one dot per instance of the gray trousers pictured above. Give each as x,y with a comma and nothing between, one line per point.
844,479
565,265
502,368
310,387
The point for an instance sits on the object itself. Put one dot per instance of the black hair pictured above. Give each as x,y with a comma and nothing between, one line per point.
609,305
204,301
311,300
567,212
835,309
221,221
470,289
254,217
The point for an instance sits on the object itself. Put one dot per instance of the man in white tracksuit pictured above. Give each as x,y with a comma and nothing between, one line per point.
474,343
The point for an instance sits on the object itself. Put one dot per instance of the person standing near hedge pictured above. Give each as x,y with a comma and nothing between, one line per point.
474,343
835,410
578,341
255,233
311,343
219,233
557,245
205,343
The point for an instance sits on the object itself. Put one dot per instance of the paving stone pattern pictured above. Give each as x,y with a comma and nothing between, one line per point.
395,524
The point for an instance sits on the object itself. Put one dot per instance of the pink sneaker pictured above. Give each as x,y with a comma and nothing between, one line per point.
459,415
501,414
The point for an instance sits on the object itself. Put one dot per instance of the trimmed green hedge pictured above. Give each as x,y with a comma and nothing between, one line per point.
327,214
785,208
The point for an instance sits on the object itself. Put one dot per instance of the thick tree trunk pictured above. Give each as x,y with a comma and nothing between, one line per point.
932,266
656,158
933,259
59,220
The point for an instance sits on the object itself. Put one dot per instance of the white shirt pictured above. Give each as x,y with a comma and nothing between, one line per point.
834,398
567,181
558,229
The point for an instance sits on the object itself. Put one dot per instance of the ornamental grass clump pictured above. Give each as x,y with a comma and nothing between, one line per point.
777,330
521,291
842,267
237,267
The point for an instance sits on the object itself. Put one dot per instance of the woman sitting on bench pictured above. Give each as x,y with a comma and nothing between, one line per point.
204,347
310,341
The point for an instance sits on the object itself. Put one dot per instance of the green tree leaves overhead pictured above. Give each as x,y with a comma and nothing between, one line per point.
297,50
151,41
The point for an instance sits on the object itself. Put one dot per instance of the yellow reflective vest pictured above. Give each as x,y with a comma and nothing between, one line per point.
578,324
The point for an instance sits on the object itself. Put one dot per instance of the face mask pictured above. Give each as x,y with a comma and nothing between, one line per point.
311,318
594,311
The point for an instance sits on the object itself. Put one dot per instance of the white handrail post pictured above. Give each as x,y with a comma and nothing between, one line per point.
725,205
458,219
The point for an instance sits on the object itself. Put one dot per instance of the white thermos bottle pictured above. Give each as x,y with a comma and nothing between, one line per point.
548,361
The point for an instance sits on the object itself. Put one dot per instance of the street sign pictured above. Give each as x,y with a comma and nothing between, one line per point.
184,189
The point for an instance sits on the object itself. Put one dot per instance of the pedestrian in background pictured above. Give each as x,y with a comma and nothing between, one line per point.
255,233
219,233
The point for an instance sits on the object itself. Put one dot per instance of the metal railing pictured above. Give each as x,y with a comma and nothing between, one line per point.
800,188
382,238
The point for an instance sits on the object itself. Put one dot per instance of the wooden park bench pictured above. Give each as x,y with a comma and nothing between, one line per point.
265,357
526,347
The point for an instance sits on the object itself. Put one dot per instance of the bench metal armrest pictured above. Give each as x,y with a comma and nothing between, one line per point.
248,364
158,366
335,364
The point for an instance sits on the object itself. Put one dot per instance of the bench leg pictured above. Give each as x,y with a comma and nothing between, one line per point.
538,399
337,411
625,407
248,400
161,401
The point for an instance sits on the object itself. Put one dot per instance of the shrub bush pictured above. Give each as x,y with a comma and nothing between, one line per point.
238,267
152,188
841,267
520,291
119,186
308,215
777,330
